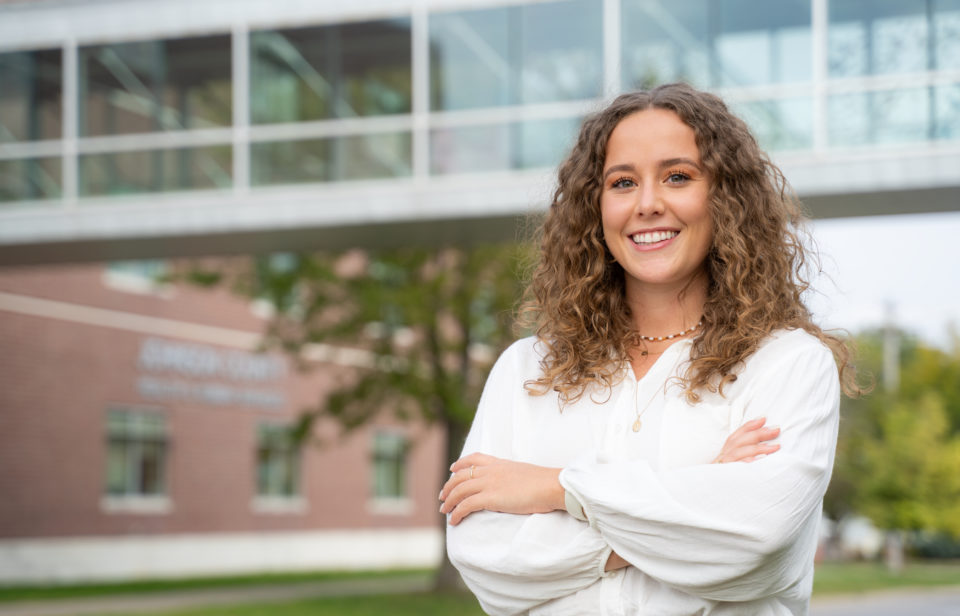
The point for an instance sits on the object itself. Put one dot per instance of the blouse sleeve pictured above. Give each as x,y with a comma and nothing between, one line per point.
729,532
513,563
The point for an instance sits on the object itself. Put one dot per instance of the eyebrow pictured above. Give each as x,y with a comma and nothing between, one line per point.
663,163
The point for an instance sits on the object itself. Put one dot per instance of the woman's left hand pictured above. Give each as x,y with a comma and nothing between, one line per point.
482,482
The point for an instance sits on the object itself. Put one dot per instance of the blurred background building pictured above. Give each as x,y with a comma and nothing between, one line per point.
150,130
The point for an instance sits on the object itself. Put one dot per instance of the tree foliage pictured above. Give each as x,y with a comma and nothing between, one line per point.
424,325
431,322
898,456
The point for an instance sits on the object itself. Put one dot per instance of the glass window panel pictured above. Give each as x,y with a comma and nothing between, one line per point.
498,147
116,468
339,71
665,41
763,42
152,270
159,85
946,24
352,157
519,54
562,51
389,465
779,124
467,149
470,59
360,157
894,116
148,171
277,461
290,162
874,37
31,97
151,468
136,453
947,104
30,178
545,143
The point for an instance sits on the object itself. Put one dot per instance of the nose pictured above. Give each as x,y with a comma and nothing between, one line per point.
649,200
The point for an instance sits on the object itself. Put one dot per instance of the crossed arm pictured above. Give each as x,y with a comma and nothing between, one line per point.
484,482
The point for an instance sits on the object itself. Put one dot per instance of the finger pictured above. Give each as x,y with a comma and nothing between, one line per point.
465,508
753,424
751,451
474,459
752,437
459,493
456,479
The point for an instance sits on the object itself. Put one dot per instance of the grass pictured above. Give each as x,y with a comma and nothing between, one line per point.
72,591
414,604
861,577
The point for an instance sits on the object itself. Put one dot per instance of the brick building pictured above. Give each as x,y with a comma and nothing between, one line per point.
141,436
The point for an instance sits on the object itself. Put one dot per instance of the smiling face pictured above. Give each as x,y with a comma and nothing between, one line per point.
654,203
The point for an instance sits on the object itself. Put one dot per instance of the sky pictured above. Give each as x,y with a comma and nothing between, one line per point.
909,262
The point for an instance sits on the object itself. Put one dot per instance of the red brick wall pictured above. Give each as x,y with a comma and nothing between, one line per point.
58,378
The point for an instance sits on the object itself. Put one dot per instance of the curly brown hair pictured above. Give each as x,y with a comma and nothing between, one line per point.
756,264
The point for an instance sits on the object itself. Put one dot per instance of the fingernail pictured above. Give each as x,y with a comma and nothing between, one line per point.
441,509
451,467
773,427
440,496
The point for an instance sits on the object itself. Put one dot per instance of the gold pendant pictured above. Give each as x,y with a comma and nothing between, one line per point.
636,425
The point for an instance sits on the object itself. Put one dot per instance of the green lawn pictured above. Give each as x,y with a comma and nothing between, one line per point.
414,604
17,593
858,577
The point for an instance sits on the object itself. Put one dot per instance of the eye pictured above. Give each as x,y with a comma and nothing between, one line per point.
677,177
623,182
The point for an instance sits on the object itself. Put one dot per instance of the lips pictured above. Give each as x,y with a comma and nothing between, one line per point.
647,238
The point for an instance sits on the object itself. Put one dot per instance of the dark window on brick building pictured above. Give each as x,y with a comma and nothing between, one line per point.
389,465
278,461
136,453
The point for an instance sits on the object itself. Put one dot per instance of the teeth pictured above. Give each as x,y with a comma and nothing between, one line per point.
652,237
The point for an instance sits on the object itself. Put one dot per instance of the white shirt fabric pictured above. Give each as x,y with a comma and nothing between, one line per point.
702,538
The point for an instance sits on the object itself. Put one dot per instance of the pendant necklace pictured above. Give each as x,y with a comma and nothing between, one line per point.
637,424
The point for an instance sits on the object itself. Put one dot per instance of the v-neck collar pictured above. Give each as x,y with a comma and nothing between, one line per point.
657,366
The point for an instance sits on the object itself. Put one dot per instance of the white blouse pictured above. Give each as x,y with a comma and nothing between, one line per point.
702,538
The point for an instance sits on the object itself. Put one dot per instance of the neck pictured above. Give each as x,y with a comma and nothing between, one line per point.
660,310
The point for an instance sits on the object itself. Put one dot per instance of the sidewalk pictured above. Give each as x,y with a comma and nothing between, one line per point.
927,601
183,599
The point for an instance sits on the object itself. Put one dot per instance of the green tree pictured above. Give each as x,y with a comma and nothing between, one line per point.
898,453
431,321
914,483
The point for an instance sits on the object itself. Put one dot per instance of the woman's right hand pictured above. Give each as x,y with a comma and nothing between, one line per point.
748,442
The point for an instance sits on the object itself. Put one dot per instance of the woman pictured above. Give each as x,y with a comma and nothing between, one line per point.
668,434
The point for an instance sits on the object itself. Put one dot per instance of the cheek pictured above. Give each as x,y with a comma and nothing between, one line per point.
613,213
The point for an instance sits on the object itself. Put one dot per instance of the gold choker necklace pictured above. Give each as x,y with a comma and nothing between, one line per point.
671,336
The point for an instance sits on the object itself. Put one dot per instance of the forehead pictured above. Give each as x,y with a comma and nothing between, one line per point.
657,134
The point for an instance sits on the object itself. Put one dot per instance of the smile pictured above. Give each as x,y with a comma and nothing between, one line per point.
653,237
